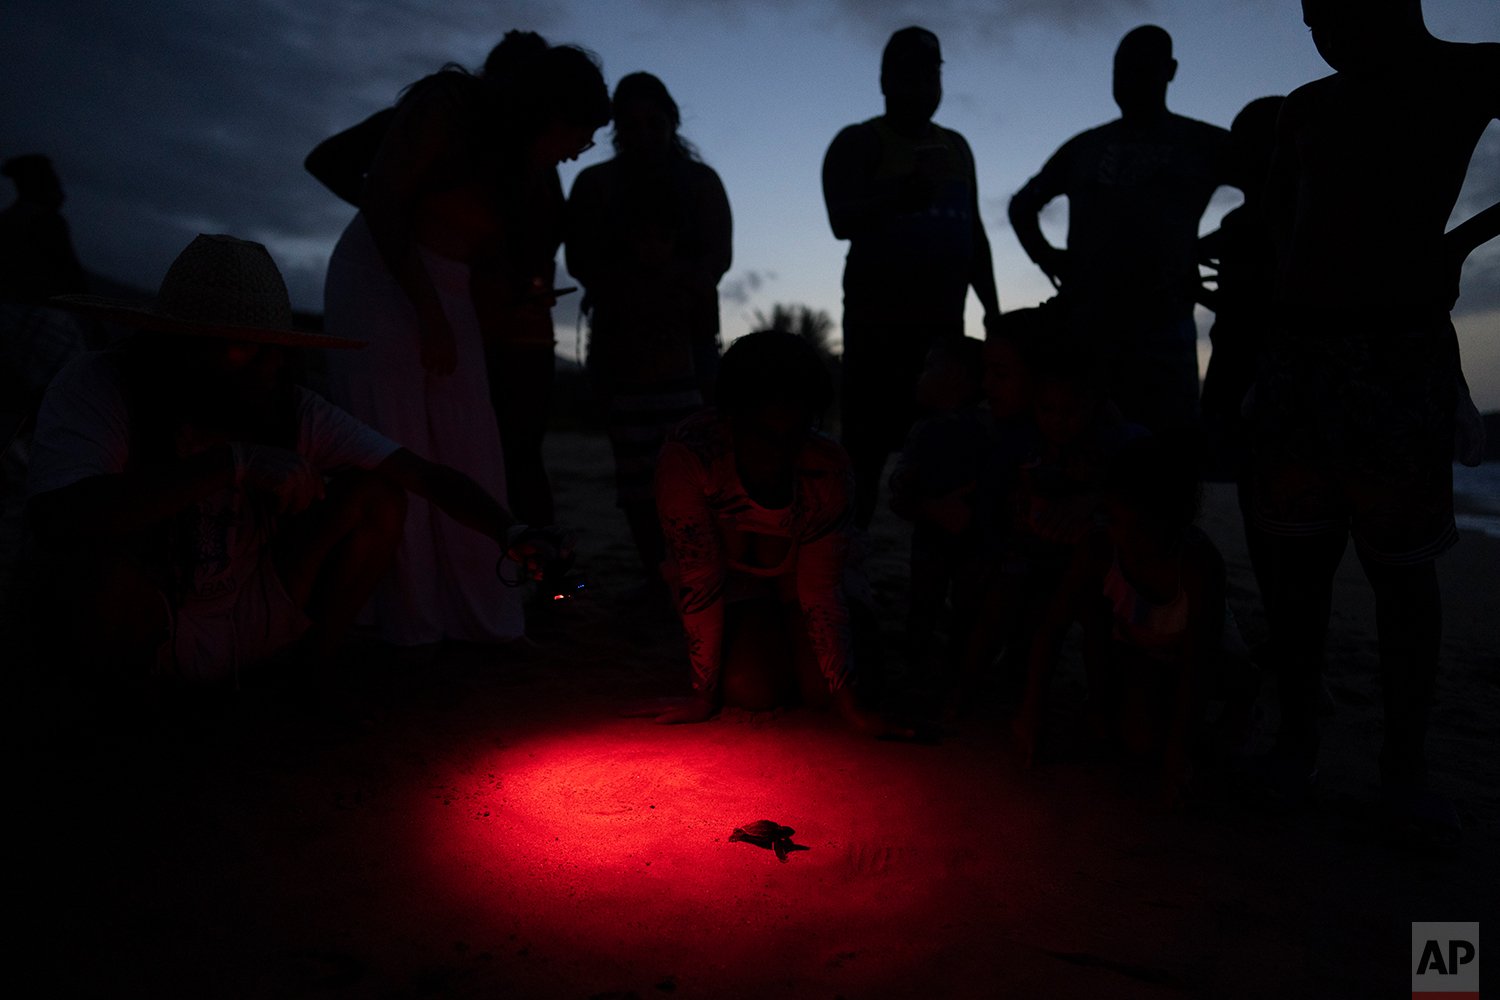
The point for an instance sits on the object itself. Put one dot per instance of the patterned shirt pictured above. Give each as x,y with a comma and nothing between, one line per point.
715,531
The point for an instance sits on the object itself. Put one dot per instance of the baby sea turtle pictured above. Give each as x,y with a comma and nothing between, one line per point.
767,834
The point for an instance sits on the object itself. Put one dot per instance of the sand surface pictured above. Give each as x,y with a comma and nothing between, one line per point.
483,823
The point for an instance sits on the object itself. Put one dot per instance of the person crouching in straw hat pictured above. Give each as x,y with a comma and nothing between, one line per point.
200,512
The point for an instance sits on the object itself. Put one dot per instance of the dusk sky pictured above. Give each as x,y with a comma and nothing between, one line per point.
166,118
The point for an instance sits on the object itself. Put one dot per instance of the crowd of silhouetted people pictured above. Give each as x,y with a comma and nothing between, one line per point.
200,515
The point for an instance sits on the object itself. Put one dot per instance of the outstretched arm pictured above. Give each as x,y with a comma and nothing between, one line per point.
341,161
452,492
468,503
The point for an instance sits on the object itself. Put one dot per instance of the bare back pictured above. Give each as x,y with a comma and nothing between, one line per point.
1367,171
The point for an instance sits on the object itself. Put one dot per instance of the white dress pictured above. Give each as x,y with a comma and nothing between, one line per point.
443,584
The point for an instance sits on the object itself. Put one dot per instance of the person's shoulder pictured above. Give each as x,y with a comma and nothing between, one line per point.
951,134
1467,55
1476,64
444,86
860,135
1312,90
91,371
1086,143
700,173
451,92
592,178
1102,132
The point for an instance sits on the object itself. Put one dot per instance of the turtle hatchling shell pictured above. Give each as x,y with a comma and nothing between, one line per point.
764,829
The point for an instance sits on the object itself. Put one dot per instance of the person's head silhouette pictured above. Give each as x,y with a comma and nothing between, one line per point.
911,76
1353,35
513,54
1143,68
1252,135
647,119
561,100
36,182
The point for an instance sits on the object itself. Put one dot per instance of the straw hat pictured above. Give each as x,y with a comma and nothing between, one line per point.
218,286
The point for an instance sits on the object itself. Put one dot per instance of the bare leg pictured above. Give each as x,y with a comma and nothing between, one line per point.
1409,619
1299,600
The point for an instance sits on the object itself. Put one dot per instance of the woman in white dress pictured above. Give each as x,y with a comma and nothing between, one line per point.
458,149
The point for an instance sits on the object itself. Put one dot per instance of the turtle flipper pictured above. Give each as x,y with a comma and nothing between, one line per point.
779,845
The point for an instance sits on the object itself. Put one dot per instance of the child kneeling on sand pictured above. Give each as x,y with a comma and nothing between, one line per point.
756,507
1159,643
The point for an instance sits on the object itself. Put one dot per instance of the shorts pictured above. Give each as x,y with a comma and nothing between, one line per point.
1352,430
638,422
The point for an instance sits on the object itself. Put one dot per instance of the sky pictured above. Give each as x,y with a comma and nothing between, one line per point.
166,118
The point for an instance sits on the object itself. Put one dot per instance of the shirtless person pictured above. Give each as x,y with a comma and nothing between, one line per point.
1136,188
1353,426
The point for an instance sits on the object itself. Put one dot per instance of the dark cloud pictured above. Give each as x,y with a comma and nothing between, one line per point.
172,117
955,21
739,289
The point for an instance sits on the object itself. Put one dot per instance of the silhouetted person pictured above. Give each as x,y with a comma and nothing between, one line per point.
649,237
199,513
460,150
37,261
901,189
1244,257
1149,589
1354,419
513,283
934,484
755,507
1136,188
513,291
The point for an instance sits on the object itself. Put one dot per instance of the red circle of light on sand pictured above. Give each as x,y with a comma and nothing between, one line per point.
611,841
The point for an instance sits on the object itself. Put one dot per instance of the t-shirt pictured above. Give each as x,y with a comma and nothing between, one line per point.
649,242
913,265
84,429
1135,197
713,528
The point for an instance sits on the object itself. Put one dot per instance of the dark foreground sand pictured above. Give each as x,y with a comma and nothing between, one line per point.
485,824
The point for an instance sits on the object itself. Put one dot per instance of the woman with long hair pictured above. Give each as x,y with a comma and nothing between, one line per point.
648,238
457,151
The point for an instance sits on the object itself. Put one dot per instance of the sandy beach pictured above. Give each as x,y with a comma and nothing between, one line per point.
485,823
